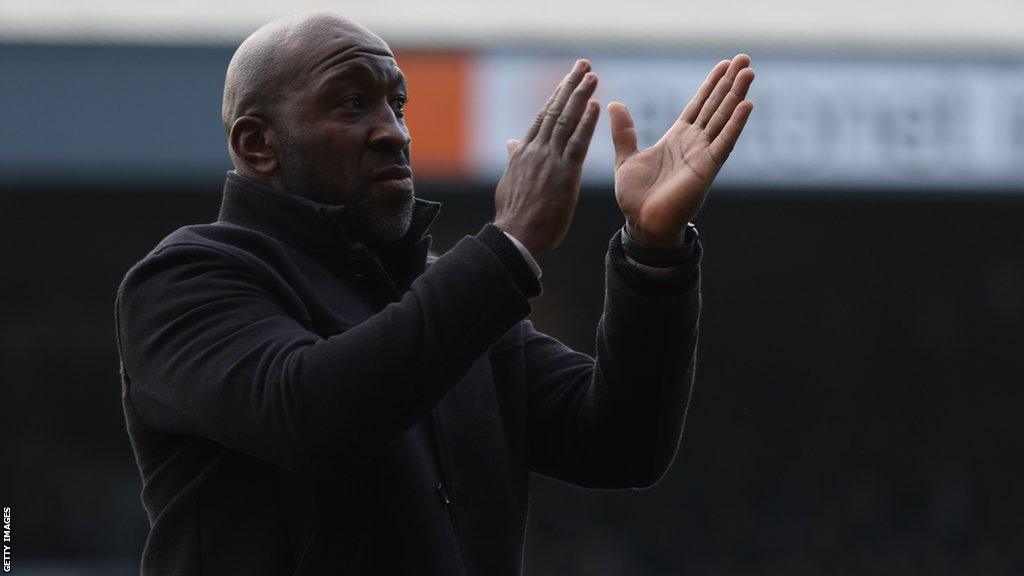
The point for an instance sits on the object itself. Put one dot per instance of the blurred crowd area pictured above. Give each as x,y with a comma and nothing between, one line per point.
859,381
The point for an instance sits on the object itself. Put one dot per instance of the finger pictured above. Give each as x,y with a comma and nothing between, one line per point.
565,125
732,99
554,110
723,144
577,146
511,146
534,129
693,107
623,132
723,87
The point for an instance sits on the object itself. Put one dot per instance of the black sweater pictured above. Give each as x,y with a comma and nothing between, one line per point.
300,404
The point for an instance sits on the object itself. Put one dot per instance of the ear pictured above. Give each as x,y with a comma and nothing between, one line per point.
254,142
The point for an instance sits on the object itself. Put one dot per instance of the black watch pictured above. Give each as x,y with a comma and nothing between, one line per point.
660,257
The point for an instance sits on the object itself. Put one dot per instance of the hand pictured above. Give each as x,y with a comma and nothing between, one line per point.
663,187
536,197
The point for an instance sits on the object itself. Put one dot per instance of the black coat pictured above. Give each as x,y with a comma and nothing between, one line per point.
301,405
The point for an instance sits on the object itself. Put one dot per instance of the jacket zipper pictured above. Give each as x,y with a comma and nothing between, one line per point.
444,485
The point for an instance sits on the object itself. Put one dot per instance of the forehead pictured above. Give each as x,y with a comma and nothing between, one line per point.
335,50
358,67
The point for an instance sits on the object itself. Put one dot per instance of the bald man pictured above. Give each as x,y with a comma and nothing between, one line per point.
308,393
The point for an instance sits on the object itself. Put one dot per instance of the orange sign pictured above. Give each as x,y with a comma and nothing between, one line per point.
437,112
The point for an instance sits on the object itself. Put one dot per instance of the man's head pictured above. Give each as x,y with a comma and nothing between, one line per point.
314,106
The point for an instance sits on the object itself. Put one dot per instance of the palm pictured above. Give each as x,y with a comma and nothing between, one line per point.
669,180
661,188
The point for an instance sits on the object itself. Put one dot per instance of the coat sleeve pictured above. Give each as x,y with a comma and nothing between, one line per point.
207,351
615,421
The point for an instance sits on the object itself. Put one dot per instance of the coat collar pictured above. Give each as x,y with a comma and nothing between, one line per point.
308,225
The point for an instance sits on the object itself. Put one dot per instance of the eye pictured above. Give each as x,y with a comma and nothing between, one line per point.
351,102
399,103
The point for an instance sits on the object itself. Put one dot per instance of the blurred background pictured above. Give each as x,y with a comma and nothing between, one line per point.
859,386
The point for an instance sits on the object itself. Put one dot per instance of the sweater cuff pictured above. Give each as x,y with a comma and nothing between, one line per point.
674,281
498,242
526,255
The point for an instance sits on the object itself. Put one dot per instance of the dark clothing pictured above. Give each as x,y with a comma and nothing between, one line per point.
300,404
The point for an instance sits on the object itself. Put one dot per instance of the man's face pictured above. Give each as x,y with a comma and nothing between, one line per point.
343,138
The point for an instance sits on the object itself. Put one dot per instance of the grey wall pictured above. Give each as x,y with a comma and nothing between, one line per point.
111,113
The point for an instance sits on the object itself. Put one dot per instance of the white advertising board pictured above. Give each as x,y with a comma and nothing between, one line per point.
816,123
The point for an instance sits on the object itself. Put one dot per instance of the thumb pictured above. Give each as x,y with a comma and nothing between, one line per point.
623,132
511,146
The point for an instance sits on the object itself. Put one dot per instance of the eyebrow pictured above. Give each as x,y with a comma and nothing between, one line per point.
358,71
351,72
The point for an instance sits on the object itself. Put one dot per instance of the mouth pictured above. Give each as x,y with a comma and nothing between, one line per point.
393,173
395,179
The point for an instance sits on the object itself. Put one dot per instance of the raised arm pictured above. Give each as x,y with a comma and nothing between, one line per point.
615,421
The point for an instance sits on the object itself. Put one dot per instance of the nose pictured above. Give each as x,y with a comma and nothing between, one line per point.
389,134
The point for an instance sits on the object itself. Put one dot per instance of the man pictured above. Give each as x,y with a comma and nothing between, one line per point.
307,394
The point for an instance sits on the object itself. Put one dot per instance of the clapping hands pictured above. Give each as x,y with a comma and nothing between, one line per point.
658,189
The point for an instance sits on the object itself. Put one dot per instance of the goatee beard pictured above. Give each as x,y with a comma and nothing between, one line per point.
379,222
374,219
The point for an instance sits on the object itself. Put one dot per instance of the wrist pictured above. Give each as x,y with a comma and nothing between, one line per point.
521,234
500,242
672,240
526,254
